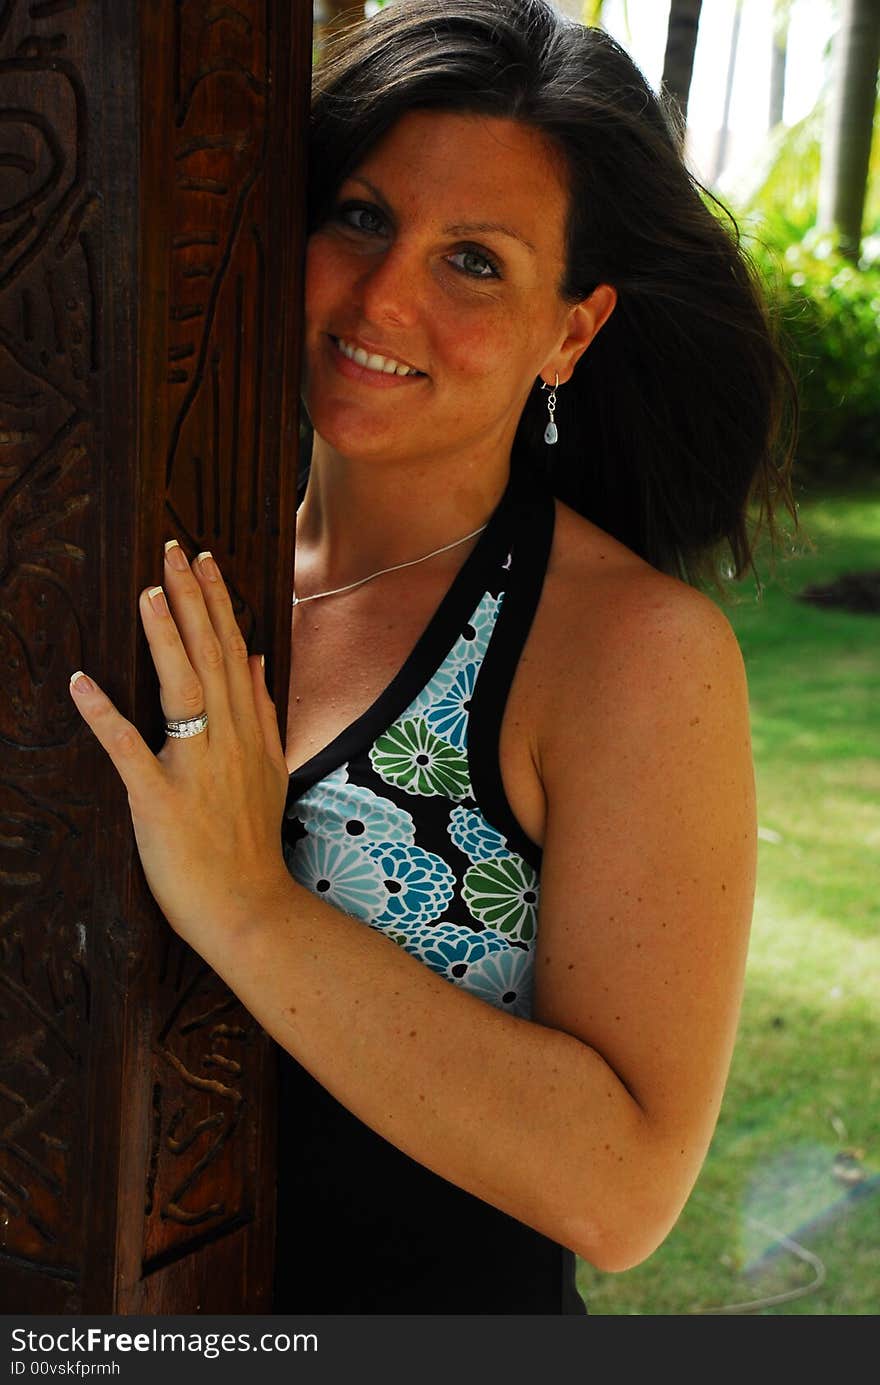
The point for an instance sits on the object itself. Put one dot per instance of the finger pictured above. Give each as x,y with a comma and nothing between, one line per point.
266,712
231,647
135,763
181,690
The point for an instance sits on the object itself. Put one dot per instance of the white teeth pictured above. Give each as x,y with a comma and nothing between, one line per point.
383,364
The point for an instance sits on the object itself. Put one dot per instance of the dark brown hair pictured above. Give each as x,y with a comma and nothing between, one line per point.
686,398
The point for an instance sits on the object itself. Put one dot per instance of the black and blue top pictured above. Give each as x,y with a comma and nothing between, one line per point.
402,821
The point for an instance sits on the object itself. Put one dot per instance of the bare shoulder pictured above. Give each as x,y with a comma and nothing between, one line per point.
618,638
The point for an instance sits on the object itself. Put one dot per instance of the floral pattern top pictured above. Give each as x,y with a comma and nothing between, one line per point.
389,823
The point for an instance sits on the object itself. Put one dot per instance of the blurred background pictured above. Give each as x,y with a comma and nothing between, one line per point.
780,98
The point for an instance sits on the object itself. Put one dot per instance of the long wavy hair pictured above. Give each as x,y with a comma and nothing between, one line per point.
685,395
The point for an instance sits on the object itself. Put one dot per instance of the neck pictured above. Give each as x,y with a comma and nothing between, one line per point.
361,516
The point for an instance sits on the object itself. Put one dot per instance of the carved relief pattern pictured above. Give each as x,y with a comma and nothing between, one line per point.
217,279
202,1157
50,254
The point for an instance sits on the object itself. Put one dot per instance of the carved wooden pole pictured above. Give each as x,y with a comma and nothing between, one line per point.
151,200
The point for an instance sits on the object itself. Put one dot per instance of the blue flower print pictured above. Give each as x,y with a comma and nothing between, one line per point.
472,834
449,949
433,692
473,642
418,885
449,716
353,813
340,873
505,980
337,778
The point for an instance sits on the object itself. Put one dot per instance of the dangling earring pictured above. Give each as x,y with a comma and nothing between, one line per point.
551,432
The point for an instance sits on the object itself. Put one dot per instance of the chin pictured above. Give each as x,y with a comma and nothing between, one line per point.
353,434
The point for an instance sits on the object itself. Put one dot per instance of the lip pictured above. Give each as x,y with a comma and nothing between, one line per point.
377,379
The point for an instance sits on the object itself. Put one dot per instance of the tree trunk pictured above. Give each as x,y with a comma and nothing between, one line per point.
846,142
681,44
778,55
723,133
151,187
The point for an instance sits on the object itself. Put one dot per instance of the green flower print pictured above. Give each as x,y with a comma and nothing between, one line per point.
503,894
412,757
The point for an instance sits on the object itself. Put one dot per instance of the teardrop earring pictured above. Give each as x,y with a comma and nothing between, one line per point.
551,432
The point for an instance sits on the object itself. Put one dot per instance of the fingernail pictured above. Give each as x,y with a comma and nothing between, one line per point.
157,601
80,683
175,556
207,565
263,663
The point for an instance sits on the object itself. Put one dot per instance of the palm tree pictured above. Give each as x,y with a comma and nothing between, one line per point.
779,53
721,147
846,141
681,43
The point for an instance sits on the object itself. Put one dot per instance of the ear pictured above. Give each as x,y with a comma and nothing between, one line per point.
584,321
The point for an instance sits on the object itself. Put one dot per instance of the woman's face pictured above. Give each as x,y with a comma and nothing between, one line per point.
442,253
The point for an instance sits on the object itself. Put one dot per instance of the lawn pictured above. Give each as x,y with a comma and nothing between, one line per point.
785,1217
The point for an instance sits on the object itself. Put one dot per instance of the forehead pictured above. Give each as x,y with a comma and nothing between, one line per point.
470,167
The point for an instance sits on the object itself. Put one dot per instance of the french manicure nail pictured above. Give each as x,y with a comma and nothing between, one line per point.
80,683
207,565
157,601
175,556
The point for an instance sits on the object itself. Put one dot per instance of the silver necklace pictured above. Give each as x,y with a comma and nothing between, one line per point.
299,600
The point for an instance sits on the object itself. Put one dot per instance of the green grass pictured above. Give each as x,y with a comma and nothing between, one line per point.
805,1080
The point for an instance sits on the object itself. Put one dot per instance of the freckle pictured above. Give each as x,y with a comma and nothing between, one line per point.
293,1009
421,1096
571,966
617,1017
546,961
723,886
638,945
412,1033
695,721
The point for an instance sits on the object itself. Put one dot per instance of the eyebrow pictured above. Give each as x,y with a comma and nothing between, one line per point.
470,228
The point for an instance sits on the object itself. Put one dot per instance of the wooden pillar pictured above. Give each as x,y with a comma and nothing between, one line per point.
151,229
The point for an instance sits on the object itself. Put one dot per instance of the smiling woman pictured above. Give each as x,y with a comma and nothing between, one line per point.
491,894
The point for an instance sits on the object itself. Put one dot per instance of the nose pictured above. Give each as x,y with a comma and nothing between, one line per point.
388,289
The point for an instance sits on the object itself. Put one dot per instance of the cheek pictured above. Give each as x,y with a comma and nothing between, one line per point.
476,343
324,277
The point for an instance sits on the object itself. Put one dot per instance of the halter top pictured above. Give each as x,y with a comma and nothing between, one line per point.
402,821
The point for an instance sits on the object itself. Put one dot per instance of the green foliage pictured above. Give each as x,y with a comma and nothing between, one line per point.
804,1086
827,312
827,309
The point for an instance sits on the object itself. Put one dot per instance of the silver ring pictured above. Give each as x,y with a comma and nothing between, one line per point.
192,726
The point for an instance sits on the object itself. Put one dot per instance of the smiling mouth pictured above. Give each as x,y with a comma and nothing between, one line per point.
382,365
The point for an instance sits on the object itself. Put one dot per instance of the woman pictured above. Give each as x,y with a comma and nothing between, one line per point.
543,395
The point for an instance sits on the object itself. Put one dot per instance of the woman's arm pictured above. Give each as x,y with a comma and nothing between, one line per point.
590,1122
